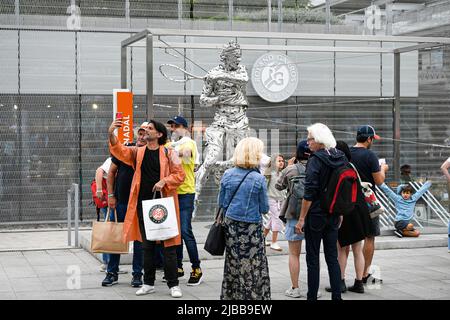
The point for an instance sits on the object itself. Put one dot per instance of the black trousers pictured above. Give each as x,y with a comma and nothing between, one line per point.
318,228
150,259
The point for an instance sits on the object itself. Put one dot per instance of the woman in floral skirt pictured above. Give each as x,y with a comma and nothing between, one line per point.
243,195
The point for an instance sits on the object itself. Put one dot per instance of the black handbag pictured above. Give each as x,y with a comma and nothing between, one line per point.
215,241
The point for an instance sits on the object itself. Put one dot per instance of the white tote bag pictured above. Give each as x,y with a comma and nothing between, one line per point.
160,219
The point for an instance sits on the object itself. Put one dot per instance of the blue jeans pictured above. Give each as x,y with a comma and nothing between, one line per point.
186,203
114,259
317,228
105,256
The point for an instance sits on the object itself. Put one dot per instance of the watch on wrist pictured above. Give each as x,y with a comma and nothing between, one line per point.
111,195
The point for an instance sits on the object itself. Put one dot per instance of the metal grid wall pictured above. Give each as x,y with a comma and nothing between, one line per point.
45,149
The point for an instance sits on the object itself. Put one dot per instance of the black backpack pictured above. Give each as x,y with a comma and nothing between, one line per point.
340,193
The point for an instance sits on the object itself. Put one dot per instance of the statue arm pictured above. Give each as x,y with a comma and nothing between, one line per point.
240,76
207,98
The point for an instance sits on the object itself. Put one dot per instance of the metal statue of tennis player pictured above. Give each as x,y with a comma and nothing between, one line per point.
224,89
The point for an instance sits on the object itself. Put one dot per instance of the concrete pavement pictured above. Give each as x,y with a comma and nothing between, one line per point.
409,274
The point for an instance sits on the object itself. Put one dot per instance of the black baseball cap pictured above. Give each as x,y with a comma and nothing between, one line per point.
303,151
367,131
178,120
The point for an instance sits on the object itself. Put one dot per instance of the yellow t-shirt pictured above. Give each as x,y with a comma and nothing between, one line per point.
188,164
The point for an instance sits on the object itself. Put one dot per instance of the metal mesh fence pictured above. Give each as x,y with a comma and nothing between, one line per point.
123,14
51,141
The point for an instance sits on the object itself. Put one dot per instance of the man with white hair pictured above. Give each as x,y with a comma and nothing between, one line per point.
314,222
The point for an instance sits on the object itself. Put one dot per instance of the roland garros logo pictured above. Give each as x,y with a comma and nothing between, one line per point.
158,214
274,77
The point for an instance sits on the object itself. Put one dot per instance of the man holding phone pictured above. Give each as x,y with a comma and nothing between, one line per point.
158,171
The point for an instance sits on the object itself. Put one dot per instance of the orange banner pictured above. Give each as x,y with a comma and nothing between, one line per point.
123,102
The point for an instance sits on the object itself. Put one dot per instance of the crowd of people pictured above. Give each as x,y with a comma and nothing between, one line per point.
288,193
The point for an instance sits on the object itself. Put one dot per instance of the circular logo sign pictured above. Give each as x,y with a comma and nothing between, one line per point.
274,77
158,214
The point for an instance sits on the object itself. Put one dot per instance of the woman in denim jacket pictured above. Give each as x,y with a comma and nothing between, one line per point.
246,272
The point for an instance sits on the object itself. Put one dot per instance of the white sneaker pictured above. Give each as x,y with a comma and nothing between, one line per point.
267,243
145,289
102,268
275,246
319,294
293,292
175,292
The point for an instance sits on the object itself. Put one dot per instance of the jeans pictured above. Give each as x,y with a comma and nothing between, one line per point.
105,256
149,248
186,203
317,228
114,259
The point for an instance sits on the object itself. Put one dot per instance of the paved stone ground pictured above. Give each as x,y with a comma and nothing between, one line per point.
410,274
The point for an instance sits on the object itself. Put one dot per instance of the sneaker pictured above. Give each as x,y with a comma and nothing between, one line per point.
175,292
267,243
398,233
145,289
136,282
275,246
110,279
343,287
373,279
102,268
293,292
196,277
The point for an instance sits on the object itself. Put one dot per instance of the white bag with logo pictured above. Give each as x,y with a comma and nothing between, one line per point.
160,219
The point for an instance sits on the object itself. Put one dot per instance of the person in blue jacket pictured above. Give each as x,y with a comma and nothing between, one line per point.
405,201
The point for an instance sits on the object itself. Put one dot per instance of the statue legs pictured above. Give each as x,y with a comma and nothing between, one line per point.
214,148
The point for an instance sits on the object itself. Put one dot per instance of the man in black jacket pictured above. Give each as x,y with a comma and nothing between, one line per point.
315,223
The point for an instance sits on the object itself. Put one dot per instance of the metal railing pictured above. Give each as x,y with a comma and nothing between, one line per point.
75,191
433,203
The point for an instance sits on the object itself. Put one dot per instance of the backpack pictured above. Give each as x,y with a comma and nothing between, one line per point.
296,184
296,191
340,193
99,203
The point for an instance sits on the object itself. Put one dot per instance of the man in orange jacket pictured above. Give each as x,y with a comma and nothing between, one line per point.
157,169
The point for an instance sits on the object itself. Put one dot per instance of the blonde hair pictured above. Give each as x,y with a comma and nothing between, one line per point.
248,153
322,134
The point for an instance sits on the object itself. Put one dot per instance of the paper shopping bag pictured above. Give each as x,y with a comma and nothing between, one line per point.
107,236
160,219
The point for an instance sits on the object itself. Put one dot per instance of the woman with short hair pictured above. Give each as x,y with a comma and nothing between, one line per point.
243,196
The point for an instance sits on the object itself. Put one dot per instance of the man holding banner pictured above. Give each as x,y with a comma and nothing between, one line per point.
158,173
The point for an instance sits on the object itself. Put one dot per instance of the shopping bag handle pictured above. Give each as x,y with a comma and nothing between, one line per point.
154,194
108,215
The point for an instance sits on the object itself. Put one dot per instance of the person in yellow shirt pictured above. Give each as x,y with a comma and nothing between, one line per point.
187,151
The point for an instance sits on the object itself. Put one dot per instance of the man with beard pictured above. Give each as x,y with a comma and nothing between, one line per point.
367,164
158,171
